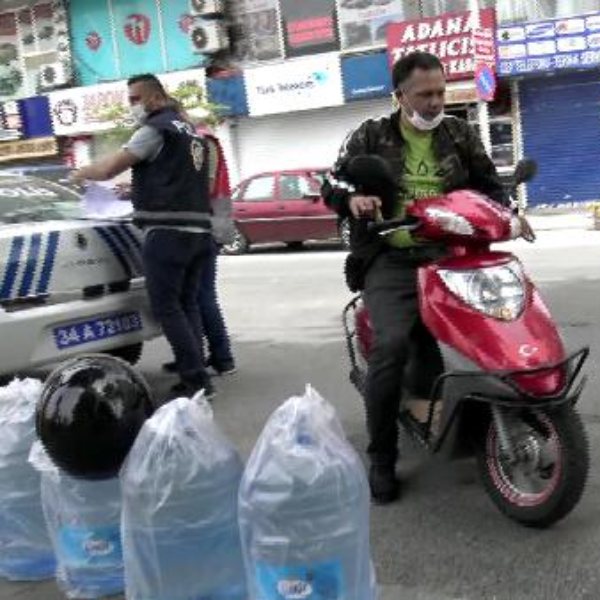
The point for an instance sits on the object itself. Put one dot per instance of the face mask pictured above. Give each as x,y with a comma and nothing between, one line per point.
419,122
139,113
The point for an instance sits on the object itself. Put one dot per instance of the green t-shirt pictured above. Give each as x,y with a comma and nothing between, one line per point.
422,178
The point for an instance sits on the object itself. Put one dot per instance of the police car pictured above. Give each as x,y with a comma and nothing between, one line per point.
67,284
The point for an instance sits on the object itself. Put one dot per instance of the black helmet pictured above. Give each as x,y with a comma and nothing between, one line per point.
90,413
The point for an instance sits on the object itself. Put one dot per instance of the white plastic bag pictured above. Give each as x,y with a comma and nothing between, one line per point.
179,526
25,550
83,518
304,509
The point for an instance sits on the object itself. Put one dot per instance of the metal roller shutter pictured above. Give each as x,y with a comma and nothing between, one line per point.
301,139
561,130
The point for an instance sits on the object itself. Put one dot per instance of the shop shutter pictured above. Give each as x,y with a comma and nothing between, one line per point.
561,130
300,139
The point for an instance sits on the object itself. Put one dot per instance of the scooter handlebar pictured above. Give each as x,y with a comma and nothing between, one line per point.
391,225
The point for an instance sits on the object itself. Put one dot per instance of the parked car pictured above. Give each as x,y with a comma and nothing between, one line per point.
67,285
283,206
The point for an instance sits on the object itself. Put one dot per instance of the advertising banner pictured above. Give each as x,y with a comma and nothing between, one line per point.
543,46
308,83
309,27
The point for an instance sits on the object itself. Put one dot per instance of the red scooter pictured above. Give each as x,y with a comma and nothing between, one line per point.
507,389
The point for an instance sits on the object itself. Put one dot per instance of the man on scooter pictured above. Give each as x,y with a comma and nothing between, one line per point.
432,154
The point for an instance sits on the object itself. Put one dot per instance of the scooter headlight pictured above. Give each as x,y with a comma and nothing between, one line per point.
495,291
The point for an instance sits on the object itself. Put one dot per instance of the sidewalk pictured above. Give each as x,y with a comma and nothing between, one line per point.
557,221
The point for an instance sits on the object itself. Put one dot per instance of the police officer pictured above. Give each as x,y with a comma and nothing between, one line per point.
170,195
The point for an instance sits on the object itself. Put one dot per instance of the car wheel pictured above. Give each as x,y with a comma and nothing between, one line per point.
295,245
131,354
239,245
344,233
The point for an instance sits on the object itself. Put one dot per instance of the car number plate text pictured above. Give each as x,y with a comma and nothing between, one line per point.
87,332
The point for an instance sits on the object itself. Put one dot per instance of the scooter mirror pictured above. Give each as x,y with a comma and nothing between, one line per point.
526,170
369,169
372,175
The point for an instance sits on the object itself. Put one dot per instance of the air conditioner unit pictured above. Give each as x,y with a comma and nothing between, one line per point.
53,75
202,8
209,37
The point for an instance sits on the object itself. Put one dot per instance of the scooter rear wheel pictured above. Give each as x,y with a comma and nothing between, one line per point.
546,478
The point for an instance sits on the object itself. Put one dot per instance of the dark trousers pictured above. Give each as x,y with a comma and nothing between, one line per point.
215,329
174,262
392,300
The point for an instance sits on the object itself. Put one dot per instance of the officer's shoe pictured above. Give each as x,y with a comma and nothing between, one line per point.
385,487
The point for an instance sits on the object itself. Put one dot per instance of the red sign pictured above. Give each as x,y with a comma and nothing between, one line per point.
450,37
137,29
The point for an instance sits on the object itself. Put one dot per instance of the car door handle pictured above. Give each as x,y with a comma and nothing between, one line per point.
281,208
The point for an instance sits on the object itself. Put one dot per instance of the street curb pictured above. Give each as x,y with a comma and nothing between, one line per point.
561,222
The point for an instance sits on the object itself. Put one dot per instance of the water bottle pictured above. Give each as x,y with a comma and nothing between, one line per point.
304,509
84,522
180,535
26,553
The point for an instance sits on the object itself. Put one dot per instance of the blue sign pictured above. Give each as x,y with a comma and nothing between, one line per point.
568,43
366,76
35,113
485,81
230,94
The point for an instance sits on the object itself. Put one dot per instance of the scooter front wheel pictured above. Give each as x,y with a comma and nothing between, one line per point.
541,479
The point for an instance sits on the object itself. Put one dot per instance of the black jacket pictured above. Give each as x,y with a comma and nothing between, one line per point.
462,157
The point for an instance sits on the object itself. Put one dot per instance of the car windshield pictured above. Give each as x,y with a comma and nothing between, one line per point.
25,200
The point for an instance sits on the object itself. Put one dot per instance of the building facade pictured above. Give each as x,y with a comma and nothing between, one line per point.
292,79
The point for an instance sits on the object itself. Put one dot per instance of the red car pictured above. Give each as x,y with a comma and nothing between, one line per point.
283,206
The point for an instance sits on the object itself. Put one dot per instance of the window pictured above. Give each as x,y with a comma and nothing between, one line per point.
32,200
295,186
258,31
433,8
261,188
362,26
512,11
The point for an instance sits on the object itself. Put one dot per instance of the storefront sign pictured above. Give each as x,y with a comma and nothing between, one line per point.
450,37
364,25
305,84
461,92
366,76
83,110
37,122
309,27
229,94
36,148
549,45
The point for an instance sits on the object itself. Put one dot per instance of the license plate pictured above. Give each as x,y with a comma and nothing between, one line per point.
94,330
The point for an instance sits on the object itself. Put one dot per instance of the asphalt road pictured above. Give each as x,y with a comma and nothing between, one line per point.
444,539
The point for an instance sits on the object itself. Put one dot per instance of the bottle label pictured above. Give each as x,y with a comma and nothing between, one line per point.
91,547
321,581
